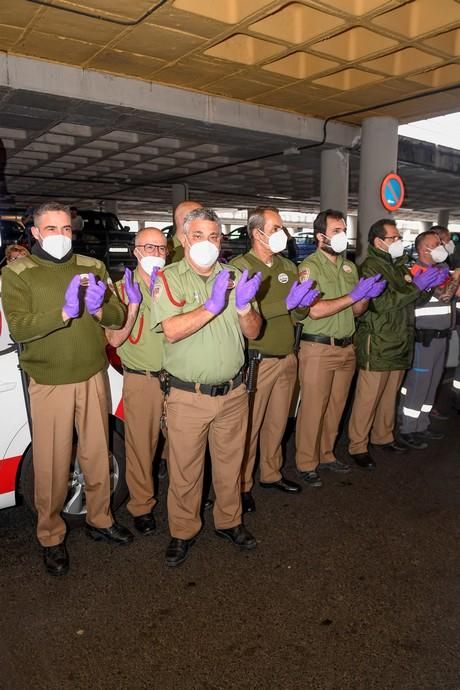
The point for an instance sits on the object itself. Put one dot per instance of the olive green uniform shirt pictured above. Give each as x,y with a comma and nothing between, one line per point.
333,280
143,349
215,353
175,250
277,333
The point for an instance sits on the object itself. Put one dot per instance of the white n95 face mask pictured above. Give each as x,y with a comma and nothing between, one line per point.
204,253
450,247
396,249
339,242
439,254
56,246
278,241
148,263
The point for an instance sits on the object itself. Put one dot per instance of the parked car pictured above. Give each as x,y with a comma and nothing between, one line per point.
16,467
105,238
11,232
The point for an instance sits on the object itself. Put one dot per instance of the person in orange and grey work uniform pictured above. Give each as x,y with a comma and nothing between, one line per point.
59,322
327,355
205,312
281,301
141,350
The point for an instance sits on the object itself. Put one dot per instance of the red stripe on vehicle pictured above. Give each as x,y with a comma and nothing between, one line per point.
8,472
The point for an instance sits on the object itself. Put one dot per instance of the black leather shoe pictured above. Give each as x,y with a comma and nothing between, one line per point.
363,460
311,478
116,534
177,551
248,505
393,447
429,435
239,536
56,559
145,524
335,466
413,441
282,485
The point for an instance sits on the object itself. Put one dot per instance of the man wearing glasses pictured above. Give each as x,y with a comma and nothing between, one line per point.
140,350
384,342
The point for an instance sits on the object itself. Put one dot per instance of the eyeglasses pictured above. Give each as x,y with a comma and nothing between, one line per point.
393,238
153,248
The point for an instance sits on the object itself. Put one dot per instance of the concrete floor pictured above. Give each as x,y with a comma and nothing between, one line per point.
352,586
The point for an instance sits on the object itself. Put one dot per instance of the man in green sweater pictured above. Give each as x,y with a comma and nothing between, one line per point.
281,302
55,303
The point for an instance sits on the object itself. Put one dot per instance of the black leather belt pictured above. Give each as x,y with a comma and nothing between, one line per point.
142,372
421,333
255,354
325,340
207,388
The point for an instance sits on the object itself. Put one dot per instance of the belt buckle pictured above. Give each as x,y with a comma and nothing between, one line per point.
220,389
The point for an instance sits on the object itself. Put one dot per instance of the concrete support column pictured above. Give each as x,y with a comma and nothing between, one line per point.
334,180
443,217
425,225
379,156
179,193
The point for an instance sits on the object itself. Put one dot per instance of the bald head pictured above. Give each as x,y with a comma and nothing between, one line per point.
180,212
150,236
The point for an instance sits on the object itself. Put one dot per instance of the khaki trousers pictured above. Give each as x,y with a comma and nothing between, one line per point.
143,406
325,373
193,420
55,411
374,409
268,417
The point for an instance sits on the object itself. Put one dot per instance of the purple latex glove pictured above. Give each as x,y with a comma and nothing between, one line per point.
216,303
246,289
72,298
432,277
95,293
132,289
361,289
309,298
153,277
300,294
376,289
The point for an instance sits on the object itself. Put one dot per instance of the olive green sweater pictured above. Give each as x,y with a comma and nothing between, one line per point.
56,352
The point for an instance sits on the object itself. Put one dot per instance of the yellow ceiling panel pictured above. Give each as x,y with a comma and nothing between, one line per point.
17,12
420,17
158,42
228,11
348,79
55,48
8,36
194,72
448,42
236,87
442,76
66,24
403,62
118,62
173,18
300,65
114,8
297,23
245,49
354,44
358,7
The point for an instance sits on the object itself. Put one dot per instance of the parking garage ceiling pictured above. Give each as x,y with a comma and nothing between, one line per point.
312,58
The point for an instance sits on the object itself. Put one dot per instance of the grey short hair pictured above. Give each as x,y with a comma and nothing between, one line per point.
47,207
202,214
256,218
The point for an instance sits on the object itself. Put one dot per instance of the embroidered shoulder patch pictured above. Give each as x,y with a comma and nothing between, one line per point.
304,275
347,268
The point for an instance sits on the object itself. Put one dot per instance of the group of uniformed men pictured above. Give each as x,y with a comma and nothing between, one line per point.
187,328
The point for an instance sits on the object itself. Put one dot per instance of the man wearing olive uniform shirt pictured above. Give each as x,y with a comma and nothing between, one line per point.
327,356
278,298
141,350
204,318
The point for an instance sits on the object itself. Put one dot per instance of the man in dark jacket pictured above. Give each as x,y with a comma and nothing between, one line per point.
384,342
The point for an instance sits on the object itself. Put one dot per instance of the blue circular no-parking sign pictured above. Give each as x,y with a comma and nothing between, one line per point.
392,192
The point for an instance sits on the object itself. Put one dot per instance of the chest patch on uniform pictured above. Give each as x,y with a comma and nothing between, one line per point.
157,290
408,278
304,275
346,268
283,278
